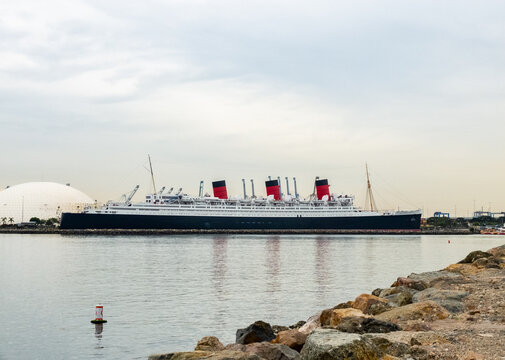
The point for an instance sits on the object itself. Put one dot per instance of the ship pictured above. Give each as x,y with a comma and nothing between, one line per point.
277,211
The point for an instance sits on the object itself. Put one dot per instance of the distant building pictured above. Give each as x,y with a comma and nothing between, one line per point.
40,199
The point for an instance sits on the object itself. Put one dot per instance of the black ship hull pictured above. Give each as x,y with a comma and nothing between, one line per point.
403,222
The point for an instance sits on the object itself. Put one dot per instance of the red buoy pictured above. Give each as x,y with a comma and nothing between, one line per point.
99,315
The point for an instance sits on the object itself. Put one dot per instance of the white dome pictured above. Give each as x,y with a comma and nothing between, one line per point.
40,199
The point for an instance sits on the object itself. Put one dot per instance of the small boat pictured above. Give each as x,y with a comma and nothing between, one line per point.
493,231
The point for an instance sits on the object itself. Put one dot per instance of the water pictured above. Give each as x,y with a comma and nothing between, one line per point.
163,293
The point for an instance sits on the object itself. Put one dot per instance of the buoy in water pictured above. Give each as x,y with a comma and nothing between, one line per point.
99,315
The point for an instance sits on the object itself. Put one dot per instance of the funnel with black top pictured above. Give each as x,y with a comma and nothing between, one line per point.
219,188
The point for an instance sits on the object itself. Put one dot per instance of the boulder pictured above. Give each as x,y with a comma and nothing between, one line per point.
370,304
292,338
426,310
449,299
324,319
398,296
338,314
270,351
488,263
278,328
430,277
377,291
257,332
209,343
410,283
299,324
312,323
235,347
474,255
328,344
345,305
361,325
208,355
463,269
498,251
325,316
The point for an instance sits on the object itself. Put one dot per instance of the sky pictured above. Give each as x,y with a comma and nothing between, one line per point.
249,89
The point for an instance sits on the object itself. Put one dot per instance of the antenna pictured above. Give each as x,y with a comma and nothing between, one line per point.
252,188
314,192
296,192
243,184
200,190
369,196
152,174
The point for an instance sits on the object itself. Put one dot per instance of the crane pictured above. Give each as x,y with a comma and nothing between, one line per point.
126,198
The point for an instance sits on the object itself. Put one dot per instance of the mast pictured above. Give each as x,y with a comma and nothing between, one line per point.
369,196
152,174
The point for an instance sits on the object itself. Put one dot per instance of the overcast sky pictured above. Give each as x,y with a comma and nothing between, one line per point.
245,89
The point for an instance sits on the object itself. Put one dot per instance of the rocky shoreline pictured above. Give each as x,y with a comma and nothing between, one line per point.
54,230
450,314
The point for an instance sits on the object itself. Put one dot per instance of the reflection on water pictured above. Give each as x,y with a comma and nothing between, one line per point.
273,263
163,293
98,336
219,244
321,268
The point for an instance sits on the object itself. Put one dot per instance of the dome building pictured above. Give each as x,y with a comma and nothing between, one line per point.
40,199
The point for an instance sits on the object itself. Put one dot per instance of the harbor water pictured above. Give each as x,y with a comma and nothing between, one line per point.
163,293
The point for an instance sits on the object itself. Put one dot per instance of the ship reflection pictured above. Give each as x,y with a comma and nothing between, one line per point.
273,263
322,268
219,249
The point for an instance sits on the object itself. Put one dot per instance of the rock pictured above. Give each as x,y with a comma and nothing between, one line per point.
345,305
474,255
328,344
449,299
292,338
208,355
415,325
364,302
379,308
361,325
338,314
235,347
473,356
377,291
270,351
498,252
488,263
399,297
278,328
312,323
326,314
299,324
209,343
324,319
257,332
430,277
410,283
464,269
426,310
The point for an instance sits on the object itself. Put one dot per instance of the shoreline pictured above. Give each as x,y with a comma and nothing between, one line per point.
457,313
136,232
